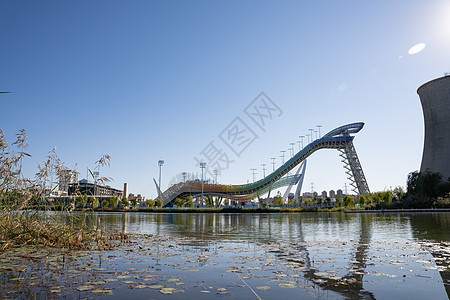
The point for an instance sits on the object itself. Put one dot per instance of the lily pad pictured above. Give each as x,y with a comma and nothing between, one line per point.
99,291
157,286
85,288
287,285
168,291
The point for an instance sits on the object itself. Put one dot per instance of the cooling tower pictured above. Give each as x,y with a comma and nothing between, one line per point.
435,98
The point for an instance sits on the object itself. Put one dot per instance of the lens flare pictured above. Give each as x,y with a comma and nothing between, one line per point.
416,48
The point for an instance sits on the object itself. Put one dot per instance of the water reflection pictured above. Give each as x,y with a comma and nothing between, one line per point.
357,236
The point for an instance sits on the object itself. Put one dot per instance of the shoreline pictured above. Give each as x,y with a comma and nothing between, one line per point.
265,210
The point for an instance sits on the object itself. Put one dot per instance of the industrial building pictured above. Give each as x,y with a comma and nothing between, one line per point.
435,98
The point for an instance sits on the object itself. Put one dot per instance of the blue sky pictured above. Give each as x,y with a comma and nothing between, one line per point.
149,80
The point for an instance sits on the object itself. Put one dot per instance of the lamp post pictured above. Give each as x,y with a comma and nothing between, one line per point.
301,139
311,133
319,126
264,170
216,172
160,164
202,166
282,156
273,164
184,176
253,173
292,149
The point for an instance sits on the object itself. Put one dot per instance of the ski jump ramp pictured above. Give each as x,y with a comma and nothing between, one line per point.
340,138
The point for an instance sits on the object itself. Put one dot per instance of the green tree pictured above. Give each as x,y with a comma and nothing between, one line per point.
361,200
399,192
338,201
179,202
327,201
300,200
150,203
159,203
114,201
349,201
125,203
278,201
318,201
291,202
227,202
134,202
105,203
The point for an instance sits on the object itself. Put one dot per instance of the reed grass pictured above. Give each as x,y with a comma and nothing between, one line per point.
21,223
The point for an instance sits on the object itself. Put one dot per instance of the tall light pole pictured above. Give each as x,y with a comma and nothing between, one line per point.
319,126
273,164
264,170
253,173
316,133
216,172
184,176
160,164
292,148
311,133
202,165
301,139
282,156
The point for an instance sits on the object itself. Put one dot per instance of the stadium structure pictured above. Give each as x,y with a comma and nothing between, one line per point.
340,138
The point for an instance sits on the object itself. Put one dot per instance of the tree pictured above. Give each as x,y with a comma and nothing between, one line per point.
227,202
399,192
318,201
349,201
179,202
159,203
300,200
291,202
114,202
338,201
150,203
134,202
361,200
278,201
125,202
327,201
105,203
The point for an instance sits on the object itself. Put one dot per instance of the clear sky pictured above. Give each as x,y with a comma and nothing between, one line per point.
149,80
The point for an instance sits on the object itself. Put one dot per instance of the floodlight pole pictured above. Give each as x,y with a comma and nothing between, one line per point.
282,156
273,164
253,173
301,139
264,170
202,166
216,172
319,126
160,164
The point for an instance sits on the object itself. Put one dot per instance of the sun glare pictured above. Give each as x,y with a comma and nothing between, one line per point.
416,48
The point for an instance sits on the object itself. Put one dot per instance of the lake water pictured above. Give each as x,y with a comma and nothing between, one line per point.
259,256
